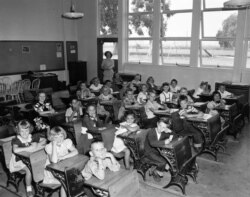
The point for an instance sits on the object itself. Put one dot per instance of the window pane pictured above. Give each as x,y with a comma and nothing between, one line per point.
140,6
214,3
140,51
108,12
176,25
175,52
248,55
140,25
177,4
112,47
220,23
213,54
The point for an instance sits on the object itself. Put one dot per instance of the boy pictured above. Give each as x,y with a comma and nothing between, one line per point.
99,160
223,92
74,112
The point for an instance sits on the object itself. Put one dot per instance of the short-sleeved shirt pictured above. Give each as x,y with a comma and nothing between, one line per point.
225,94
142,96
105,97
25,143
91,168
96,88
61,150
166,97
151,105
69,112
42,106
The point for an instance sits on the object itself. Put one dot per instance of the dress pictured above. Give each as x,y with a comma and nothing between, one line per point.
118,144
107,66
142,96
61,151
15,163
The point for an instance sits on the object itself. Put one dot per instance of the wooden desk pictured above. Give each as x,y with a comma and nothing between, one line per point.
165,113
54,119
89,101
234,99
58,169
205,97
25,156
237,89
21,107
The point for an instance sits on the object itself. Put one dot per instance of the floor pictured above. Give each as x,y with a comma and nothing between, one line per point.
229,177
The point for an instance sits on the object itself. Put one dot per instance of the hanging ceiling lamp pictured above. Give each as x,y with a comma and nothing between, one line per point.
237,4
72,14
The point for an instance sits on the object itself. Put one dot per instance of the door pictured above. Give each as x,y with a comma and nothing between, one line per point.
103,45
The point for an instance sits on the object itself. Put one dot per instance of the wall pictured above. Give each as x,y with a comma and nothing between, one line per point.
36,20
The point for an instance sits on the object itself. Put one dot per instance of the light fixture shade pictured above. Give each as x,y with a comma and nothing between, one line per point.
72,14
237,4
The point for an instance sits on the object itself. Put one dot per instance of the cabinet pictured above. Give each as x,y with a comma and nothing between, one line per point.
77,72
237,89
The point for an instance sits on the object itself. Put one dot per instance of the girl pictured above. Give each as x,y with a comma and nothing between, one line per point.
43,107
118,146
200,90
95,85
159,136
137,80
58,149
166,96
143,95
91,120
117,79
106,94
74,112
215,103
174,87
24,141
151,84
83,92
150,107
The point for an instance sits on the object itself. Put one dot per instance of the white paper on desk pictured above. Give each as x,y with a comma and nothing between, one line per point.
84,130
173,110
198,103
89,136
207,116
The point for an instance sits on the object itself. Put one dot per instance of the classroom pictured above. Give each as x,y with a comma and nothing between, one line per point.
124,98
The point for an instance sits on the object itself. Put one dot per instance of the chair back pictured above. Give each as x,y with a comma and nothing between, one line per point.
214,126
233,111
127,186
6,131
38,160
220,135
7,151
26,84
7,81
15,87
35,84
2,88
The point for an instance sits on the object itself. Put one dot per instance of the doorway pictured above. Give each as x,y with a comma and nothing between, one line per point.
103,45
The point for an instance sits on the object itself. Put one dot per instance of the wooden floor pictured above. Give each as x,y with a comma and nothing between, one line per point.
229,177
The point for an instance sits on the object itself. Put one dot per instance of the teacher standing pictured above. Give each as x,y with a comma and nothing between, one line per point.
107,66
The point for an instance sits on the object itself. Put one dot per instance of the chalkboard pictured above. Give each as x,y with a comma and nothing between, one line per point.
18,57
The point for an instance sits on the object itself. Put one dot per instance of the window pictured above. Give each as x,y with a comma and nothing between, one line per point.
140,21
218,33
108,12
176,24
248,55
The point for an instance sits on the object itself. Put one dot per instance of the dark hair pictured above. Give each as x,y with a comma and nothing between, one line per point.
150,78
92,80
165,120
73,98
164,84
108,52
137,75
143,85
174,80
203,83
214,93
128,90
182,98
130,112
107,81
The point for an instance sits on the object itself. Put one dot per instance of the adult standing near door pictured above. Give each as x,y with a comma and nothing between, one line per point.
107,66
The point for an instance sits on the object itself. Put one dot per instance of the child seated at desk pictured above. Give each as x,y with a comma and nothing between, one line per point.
106,94
186,127
91,120
150,107
215,103
184,91
58,149
158,137
43,106
137,80
95,85
83,92
108,84
128,100
99,161
143,95
151,84
166,95
24,141
174,88
200,90
117,79
223,92
129,125
74,112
